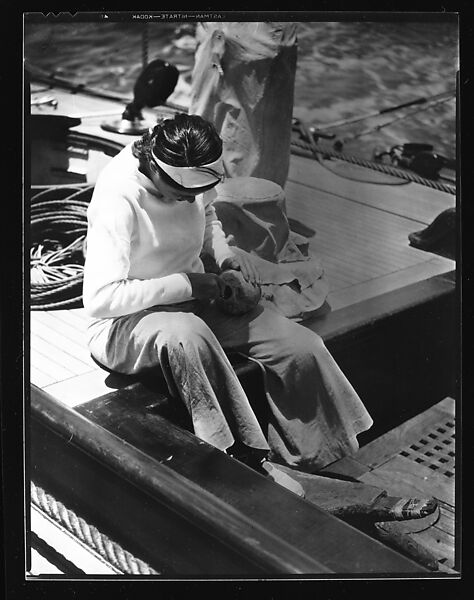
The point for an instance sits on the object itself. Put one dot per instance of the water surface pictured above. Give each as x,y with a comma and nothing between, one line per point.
344,69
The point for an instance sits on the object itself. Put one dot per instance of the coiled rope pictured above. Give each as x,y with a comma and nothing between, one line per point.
92,537
301,146
57,264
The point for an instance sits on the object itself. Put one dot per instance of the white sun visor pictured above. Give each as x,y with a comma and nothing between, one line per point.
194,177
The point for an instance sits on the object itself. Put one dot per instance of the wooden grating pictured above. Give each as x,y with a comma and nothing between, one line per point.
435,450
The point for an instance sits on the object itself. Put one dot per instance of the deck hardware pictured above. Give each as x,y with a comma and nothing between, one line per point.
45,100
153,87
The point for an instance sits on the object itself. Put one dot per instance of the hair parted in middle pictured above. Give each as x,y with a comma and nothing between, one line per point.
182,141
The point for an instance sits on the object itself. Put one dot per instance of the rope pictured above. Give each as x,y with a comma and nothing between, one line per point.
88,534
388,169
56,275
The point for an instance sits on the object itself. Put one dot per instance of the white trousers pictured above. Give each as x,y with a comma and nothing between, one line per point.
315,414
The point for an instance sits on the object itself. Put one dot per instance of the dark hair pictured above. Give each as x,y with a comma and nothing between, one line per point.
183,141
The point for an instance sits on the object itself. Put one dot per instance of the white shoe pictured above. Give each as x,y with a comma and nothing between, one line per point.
282,478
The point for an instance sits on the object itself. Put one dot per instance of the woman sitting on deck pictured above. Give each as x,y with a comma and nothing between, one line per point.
152,306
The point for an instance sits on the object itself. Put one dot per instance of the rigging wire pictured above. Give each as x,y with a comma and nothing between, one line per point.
399,118
384,111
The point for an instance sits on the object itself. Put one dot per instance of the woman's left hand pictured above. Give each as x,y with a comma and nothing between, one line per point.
242,262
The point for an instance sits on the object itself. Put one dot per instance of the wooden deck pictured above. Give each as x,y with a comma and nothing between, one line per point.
416,459
60,361
361,230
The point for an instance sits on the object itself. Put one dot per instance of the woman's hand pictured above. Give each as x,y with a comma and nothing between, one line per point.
206,286
242,262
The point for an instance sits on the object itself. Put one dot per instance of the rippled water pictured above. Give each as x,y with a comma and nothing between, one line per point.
345,69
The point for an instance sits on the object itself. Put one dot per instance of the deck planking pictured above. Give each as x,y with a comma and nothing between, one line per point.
364,250
396,199
58,352
49,336
85,387
39,378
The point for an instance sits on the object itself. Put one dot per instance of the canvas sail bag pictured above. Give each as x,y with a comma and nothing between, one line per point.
253,215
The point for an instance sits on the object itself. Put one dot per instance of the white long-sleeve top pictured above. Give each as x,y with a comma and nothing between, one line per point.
140,246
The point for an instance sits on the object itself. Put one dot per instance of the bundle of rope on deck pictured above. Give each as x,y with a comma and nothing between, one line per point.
58,232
